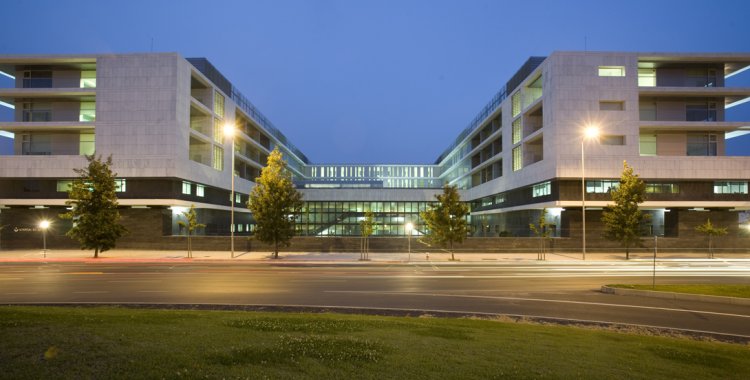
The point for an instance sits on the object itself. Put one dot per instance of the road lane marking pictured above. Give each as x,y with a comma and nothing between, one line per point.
153,291
20,293
92,292
542,300
84,273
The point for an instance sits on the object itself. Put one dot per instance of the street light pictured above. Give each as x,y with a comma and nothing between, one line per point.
591,132
409,228
229,131
44,224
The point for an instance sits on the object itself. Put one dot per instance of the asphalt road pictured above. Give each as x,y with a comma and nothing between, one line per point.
548,289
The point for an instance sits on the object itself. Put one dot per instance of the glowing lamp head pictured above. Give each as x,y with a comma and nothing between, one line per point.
409,226
229,130
44,224
591,132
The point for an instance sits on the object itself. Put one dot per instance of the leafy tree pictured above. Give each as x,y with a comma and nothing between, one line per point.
541,230
622,221
94,207
275,203
190,224
446,219
711,230
366,228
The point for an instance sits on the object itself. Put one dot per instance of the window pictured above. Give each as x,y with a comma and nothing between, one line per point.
88,79
218,131
611,105
702,144
87,143
499,198
218,162
541,189
612,140
517,131
647,77
37,111
662,188
701,111
517,158
219,104
200,190
516,104
31,186
601,186
611,71
63,186
647,144
237,198
187,187
37,79
88,111
727,187
120,185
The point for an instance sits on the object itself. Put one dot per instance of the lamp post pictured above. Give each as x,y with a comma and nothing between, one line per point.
229,131
590,132
44,224
409,228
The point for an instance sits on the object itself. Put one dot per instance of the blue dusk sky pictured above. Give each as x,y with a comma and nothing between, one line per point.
374,81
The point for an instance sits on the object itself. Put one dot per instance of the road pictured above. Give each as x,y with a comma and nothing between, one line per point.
548,289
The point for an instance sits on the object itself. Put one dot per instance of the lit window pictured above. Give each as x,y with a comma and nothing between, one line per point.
218,162
647,144
611,71
541,189
63,186
517,158
647,77
727,187
601,186
237,198
88,79
187,187
200,190
219,104
120,185
87,144
611,106
517,131
218,131
87,112
662,188
516,103
499,198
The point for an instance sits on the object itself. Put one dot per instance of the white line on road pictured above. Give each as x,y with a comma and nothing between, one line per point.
92,292
152,291
19,293
541,300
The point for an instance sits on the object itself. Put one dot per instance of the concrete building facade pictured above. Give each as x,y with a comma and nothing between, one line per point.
160,116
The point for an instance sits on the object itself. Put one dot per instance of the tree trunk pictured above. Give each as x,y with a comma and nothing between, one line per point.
276,249
710,247
627,253
453,258
96,252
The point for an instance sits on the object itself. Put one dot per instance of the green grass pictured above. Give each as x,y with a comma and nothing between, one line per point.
111,343
742,291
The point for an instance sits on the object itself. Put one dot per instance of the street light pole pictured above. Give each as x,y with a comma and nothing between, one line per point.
44,224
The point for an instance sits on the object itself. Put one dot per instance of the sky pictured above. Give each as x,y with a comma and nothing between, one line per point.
374,81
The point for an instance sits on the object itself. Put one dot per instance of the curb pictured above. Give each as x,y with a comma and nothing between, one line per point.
676,296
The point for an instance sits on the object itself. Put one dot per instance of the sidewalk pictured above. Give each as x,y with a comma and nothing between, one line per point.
123,255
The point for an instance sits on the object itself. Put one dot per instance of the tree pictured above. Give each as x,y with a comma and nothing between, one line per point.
541,230
93,203
275,203
446,219
623,220
711,230
366,228
190,224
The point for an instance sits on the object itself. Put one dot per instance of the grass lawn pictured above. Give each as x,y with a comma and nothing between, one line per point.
742,291
106,342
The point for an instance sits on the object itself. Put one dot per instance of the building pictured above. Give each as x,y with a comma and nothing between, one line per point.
160,116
